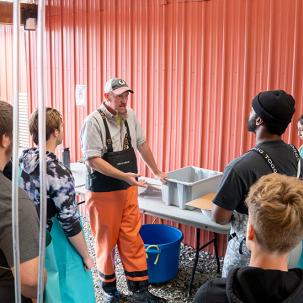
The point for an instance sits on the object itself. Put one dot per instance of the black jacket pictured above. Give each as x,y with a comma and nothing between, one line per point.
254,285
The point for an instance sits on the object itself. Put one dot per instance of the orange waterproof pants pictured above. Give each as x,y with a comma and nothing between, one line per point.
115,220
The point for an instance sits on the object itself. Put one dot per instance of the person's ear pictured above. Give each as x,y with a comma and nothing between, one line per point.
5,141
259,121
106,96
56,133
250,235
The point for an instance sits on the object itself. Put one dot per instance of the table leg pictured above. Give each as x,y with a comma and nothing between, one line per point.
198,248
195,262
216,252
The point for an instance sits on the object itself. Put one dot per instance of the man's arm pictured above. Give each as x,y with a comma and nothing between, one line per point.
28,243
230,194
62,191
100,165
149,159
79,243
29,278
221,215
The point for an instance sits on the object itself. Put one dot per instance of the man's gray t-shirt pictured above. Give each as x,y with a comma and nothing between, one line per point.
243,172
28,234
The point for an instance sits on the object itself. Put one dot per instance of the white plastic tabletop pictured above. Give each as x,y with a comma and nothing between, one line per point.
150,202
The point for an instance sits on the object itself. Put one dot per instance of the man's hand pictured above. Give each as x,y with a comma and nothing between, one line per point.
148,158
221,215
88,263
130,178
162,176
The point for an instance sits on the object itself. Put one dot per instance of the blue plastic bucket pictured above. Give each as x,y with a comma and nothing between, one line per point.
162,245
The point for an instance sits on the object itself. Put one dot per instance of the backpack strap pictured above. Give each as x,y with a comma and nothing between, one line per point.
266,157
270,162
127,142
109,142
297,155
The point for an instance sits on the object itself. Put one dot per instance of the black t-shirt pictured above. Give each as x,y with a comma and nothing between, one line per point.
8,170
243,172
28,234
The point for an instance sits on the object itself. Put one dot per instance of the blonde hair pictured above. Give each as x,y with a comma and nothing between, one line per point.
53,122
275,207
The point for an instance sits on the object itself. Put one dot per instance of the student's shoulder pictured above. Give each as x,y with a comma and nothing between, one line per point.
5,184
247,161
212,291
26,205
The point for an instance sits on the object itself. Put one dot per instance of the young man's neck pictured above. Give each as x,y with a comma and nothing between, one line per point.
51,146
268,260
263,136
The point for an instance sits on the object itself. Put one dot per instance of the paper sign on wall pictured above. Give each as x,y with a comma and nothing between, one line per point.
80,95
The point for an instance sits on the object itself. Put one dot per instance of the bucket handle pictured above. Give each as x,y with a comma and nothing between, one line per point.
158,252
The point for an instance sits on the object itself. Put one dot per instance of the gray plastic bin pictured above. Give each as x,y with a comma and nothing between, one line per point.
189,183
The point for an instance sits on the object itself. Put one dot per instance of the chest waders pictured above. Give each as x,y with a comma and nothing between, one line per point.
124,160
237,254
115,218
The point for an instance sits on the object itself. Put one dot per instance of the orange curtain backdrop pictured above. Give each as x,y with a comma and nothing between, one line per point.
194,66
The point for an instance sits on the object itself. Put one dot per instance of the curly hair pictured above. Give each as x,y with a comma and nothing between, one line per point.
275,207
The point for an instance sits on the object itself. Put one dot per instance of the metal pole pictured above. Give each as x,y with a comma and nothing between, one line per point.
42,140
15,201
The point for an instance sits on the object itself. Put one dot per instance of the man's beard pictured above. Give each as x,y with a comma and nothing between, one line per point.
251,124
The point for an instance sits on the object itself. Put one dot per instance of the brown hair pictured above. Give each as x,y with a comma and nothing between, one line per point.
6,120
53,122
275,207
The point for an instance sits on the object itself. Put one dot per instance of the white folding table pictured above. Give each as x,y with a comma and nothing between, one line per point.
150,203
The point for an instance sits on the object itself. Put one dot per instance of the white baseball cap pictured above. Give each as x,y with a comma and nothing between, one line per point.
117,85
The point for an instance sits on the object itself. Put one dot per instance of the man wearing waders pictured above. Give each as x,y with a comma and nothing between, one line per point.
108,138
271,113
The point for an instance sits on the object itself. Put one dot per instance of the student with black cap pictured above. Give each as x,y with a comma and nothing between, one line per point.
271,113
